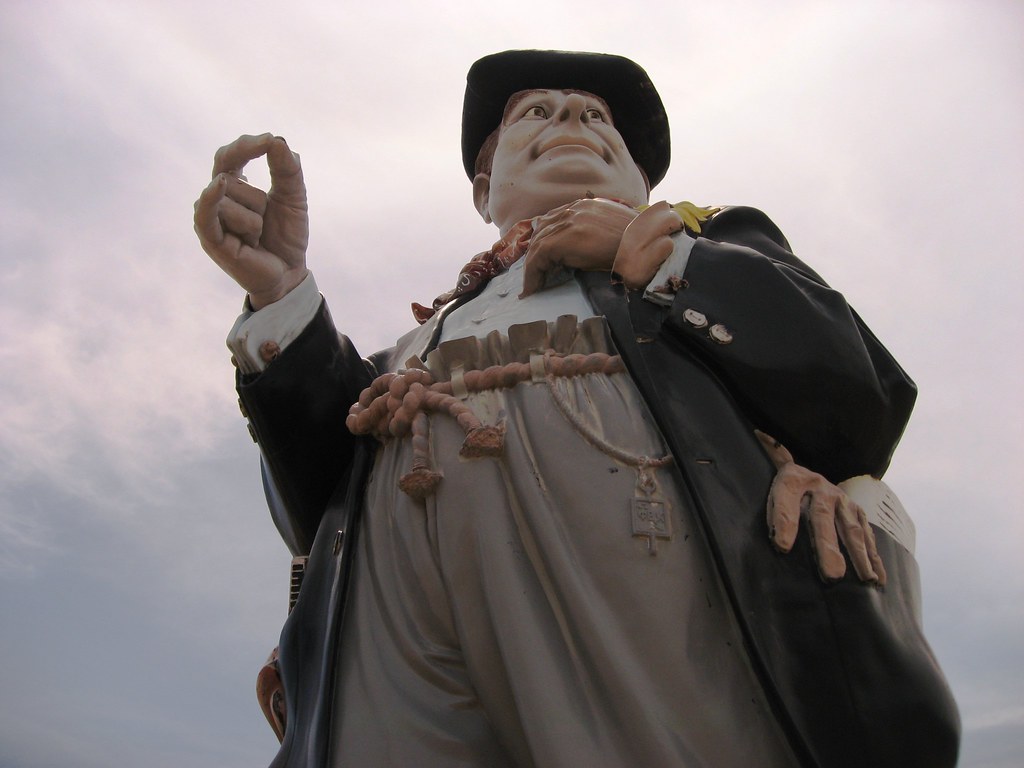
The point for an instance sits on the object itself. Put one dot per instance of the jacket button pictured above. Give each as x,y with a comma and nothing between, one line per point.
695,318
720,333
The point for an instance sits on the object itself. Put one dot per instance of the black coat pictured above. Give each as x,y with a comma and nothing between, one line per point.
766,344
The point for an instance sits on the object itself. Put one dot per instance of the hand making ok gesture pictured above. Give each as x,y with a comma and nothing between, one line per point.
257,237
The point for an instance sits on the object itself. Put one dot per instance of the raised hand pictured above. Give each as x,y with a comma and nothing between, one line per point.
796,493
257,237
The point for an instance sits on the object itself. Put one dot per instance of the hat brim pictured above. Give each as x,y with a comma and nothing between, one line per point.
636,107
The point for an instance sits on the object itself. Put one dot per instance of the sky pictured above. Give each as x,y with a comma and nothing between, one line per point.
142,583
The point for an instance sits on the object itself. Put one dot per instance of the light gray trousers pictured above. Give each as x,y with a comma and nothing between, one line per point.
516,617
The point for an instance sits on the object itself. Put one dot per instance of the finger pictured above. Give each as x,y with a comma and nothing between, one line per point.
831,563
852,534
552,216
535,268
541,257
240,221
226,249
784,501
547,226
285,171
673,223
231,158
664,220
660,219
869,539
776,451
253,198
207,222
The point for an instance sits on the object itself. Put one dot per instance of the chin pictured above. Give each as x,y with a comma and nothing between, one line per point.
574,183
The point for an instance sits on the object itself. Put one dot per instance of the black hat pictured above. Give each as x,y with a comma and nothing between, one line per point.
636,107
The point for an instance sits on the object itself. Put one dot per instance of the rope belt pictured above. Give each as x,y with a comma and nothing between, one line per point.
397,405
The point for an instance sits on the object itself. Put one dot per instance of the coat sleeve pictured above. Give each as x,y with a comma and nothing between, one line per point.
797,358
297,409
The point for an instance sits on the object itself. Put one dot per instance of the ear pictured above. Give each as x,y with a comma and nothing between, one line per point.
481,195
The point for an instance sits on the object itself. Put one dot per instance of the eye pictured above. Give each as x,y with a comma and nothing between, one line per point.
537,111
594,115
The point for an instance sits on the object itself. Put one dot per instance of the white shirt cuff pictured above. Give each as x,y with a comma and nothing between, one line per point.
662,288
279,323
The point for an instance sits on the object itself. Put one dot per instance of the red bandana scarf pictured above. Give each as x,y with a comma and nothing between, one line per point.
479,271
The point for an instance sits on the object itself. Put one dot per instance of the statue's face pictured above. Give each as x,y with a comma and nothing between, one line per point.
554,148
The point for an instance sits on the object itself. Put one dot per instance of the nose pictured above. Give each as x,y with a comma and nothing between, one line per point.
573,108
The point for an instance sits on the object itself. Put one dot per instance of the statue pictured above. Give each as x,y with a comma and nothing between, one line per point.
533,532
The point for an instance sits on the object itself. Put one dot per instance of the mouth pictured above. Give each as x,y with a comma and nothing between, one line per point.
570,141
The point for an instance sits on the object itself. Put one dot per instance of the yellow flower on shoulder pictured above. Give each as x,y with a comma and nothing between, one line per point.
692,215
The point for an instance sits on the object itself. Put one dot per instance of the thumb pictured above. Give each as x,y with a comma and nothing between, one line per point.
285,171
